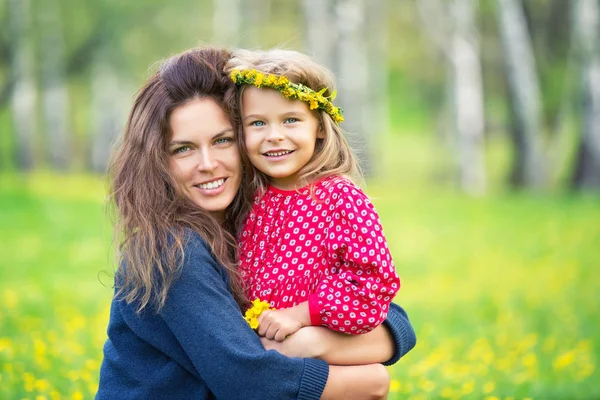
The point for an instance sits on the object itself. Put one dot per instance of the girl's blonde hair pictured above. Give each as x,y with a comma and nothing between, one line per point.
333,155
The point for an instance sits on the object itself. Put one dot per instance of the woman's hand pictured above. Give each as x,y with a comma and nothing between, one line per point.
358,382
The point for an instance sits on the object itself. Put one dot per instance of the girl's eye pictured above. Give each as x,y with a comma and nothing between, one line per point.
223,140
291,120
257,123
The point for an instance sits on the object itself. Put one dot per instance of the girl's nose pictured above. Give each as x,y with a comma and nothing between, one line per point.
274,135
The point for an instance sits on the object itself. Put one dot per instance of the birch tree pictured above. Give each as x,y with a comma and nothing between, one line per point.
24,91
587,27
227,21
320,33
353,76
528,166
109,108
452,27
55,97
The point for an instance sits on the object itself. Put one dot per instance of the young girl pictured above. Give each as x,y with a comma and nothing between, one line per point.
312,245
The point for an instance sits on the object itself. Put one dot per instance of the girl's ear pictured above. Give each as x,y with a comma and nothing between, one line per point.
320,131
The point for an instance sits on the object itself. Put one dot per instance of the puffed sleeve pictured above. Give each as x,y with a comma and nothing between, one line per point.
355,297
224,351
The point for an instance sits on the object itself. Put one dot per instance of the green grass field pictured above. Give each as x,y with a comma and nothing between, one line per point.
503,292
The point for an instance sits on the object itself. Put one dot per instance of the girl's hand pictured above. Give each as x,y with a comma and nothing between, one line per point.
305,343
278,324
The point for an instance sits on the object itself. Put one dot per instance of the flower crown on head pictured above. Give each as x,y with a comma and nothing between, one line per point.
289,90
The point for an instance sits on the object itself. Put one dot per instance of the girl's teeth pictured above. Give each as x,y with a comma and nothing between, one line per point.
212,185
279,153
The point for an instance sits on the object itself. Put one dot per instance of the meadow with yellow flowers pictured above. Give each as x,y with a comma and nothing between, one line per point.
503,291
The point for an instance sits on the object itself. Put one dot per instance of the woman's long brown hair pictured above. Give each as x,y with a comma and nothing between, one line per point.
150,213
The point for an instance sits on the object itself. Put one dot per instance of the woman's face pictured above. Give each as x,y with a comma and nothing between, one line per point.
203,155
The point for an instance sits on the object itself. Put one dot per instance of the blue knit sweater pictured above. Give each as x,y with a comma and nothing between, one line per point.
200,346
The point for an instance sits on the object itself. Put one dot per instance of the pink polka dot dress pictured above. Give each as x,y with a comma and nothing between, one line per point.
325,246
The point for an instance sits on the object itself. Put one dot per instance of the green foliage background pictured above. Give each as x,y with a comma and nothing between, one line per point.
502,291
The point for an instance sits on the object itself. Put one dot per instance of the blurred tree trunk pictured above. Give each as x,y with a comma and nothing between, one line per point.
468,97
320,33
452,27
55,96
109,109
586,28
528,167
378,100
353,76
226,22
23,93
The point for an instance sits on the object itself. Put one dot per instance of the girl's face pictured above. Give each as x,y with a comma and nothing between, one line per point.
203,155
280,134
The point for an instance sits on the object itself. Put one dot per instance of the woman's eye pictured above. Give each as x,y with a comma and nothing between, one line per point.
181,149
257,123
223,140
290,120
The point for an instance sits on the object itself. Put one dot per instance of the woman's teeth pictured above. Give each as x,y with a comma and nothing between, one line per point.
278,153
212,185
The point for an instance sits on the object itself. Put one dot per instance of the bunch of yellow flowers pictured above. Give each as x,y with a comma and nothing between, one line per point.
289,90
258,306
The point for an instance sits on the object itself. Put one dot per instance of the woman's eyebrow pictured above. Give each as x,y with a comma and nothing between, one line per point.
177,142
223,133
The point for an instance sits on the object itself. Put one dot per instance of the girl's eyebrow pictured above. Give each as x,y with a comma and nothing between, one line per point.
252,116
287,114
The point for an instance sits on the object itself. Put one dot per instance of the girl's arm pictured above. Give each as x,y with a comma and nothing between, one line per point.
355,296
385,344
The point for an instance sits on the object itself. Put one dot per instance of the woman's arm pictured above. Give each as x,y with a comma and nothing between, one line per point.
359,382
206,334
385,344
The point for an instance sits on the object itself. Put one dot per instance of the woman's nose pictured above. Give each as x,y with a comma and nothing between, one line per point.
207,160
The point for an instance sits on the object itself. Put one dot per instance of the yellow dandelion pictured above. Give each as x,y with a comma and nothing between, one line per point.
564,360
259,79
394,385
271,80
489,387
41,385
529,360
77,396
10,299
253,323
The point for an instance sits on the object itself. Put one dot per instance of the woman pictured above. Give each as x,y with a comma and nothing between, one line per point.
176,329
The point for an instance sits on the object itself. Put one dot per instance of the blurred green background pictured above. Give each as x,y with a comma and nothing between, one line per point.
475,123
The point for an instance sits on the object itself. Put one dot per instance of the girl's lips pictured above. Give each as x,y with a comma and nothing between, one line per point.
277,153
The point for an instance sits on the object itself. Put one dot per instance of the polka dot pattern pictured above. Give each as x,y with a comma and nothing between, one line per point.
325,246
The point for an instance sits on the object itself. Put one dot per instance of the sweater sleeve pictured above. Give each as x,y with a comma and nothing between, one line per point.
402,331
226,353
355,297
